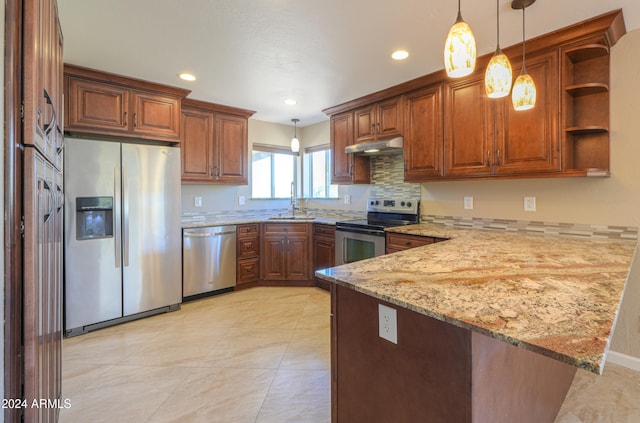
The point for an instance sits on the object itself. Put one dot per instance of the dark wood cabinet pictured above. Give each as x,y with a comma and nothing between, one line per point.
286,252
423,136
215,147
107,104
469,136
346,168
379,120
247,255
488,137
34,330
324,249
585,106
399,242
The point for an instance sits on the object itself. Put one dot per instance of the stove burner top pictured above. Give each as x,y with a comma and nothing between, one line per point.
384,213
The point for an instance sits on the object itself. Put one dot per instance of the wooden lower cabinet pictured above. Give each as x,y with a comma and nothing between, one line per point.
436,372
399,242
286,253
247,255
324,250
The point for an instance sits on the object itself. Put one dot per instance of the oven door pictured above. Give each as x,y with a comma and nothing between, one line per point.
353,245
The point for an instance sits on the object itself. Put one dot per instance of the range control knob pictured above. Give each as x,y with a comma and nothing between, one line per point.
409,204
402,203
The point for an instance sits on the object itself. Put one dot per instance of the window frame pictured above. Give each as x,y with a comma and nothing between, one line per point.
273,149
308,185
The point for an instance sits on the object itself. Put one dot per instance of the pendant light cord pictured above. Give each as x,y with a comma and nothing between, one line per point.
524,70
498,26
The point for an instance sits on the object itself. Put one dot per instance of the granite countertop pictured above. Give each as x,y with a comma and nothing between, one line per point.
239,220
555,295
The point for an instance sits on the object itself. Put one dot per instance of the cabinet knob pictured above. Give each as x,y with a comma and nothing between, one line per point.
135,120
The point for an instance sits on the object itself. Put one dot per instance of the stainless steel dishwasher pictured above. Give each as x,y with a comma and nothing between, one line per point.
208,260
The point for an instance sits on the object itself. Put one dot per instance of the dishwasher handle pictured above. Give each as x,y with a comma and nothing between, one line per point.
208,234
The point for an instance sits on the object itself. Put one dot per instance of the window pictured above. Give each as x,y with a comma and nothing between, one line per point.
273,169
317,163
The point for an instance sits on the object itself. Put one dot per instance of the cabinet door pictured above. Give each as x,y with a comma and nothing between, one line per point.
423,136
273,257
528,141
96,107
469,128
346,168
324,253
389,120
298,258
197,146
365,124
231,150
156,116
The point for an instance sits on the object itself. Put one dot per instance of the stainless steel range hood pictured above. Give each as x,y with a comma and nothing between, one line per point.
376,147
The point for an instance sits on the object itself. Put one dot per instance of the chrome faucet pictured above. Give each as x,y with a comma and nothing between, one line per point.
293,199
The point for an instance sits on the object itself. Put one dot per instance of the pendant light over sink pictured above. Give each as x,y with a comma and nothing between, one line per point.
460,49
295,143
498,77
523,96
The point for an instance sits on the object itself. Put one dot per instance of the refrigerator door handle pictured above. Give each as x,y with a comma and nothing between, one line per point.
117,241
125,217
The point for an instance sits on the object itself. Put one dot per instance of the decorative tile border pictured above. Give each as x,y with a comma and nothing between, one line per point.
548,228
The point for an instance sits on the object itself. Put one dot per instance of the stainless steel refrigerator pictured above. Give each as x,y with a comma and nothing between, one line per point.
122,232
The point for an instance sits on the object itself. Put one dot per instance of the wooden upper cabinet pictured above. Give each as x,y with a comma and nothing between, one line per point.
485,137
528,141
346,168
96,105
379,120
197,145
423,135
215,143
231,150
107,104
469,128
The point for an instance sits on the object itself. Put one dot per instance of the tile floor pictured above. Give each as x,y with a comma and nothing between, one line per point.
259,355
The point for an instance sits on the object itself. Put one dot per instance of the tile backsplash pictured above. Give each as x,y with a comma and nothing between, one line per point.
387,178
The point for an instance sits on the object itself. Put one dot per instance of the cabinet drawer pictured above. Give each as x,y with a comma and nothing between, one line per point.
404,242
320,229
249,229
248,247
285,228
248,270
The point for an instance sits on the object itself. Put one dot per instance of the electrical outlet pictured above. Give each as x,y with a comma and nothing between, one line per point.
197,201
241,200
388,323
347,199
530,204
468,203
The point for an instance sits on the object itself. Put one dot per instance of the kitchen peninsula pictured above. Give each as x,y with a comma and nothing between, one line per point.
491,325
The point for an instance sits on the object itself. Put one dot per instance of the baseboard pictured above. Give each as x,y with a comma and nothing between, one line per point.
627,361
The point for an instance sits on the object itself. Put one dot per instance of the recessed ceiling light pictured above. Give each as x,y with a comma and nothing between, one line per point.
400,54
290,102
187,76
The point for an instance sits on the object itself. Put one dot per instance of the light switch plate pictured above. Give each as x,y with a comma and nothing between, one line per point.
388,323
468,203
197,201
347,199
241,200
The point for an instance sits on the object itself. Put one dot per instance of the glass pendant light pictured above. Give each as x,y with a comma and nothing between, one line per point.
498,76
523,95
460,49
295,143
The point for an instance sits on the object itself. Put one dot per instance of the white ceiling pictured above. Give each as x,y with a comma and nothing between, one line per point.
254,54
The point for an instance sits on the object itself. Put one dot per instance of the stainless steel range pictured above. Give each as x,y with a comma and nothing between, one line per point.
363,239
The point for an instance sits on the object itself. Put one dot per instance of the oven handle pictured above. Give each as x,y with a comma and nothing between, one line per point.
361,231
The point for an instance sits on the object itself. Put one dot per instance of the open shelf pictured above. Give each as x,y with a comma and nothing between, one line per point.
586,52
579,90
585,130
